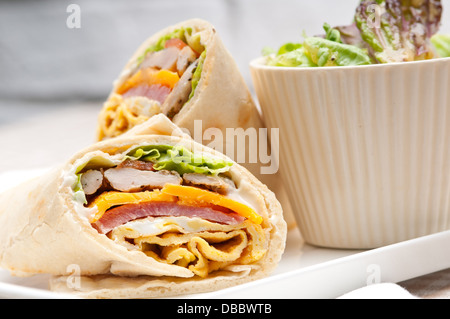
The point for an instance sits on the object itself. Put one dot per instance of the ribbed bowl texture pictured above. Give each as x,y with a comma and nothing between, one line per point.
364,151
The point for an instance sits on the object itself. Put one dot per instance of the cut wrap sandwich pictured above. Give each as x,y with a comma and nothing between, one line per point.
186,73
143,216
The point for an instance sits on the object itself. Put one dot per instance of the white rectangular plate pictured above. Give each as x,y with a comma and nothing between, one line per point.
304,272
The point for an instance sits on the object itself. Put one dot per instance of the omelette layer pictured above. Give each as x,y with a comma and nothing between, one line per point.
193,243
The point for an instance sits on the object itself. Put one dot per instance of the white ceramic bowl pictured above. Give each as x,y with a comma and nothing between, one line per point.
364,151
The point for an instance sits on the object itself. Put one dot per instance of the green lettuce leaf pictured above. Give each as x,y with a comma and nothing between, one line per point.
288,55
197,74
79,194
319,51
193,40
330,51
289,47
290,58
323,52
145,154
332,34
441,42
180,159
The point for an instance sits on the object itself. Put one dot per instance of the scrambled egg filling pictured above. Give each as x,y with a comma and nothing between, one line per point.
120,114
194,243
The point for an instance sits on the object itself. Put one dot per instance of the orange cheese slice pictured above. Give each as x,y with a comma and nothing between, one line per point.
197,196
150,76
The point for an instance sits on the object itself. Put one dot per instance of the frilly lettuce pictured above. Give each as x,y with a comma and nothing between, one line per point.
180,159
318,52
383,31
290,55
398,30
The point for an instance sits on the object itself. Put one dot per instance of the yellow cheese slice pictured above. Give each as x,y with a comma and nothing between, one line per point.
195,195
150,76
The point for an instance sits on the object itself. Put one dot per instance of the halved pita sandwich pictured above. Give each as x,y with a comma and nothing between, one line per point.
140,216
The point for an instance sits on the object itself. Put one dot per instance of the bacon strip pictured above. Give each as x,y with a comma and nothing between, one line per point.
122,214
137,164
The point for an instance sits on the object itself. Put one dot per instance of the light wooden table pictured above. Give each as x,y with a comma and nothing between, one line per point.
42,136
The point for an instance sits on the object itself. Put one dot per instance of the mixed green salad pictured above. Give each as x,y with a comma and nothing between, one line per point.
383,31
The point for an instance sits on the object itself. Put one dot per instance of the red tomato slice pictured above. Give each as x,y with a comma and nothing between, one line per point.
175,43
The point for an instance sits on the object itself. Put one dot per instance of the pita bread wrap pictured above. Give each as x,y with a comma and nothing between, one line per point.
206,92
209,86
142,216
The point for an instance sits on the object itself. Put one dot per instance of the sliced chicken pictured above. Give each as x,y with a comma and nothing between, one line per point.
185,58
165,59
180,93
214,183
91,181
127,179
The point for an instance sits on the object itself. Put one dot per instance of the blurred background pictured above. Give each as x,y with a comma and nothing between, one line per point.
54,76
65,71
41,58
